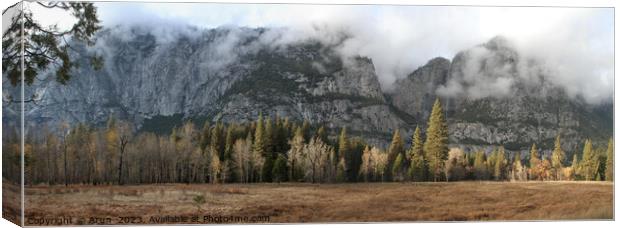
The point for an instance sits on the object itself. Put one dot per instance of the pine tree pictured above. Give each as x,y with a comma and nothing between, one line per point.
500,164
397,167
259,136
557,159
228,146
609,166
396,150
270,157
418,169
436,145
228,167
269,136
480,169
534,161
281,136
216,138
575,163
259,148
205,137
589,162
305,128
534,156
518,169
322,135
279,172
353,159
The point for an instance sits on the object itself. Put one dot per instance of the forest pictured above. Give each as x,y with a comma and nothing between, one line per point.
277,150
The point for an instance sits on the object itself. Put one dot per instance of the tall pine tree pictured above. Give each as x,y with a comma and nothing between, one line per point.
575,166
557,159
396,150
480,167
418,169
500,164
259,148
589,162
436,145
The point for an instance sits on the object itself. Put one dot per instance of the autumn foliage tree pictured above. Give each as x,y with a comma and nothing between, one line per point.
230,152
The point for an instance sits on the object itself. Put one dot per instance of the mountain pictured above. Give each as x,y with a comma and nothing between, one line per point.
529,109
233,74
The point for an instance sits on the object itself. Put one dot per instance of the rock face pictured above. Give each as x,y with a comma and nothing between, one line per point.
490,100
415,94
226,74
233,74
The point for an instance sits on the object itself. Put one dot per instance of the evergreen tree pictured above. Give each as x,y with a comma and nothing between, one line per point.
396,150
322,135
216,138
575,163
353,159
269,136
397,168
259,148
228,167
609,167
205,136
267,169
518,170
259,137
436,145
480,169
416,143
500,164
557,159
45,44
534,156
281,139
305,128
418,169
589,162
534,161
228,147
279,171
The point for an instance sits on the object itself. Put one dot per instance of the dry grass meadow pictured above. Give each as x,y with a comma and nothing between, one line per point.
295,203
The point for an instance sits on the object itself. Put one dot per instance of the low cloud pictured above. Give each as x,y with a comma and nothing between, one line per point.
573,47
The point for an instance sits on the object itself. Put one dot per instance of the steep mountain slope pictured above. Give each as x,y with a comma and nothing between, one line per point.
153,83
491,101
233,74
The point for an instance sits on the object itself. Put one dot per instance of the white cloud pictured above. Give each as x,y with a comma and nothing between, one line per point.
576,44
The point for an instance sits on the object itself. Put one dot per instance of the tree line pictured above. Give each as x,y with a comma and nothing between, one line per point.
276,150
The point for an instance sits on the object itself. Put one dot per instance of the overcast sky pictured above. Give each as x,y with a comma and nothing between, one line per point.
576,43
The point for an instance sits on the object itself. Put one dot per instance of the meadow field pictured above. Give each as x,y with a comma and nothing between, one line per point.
297,202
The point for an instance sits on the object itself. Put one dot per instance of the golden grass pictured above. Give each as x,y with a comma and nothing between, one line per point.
11,202
360,202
